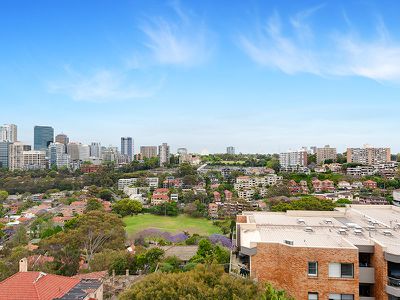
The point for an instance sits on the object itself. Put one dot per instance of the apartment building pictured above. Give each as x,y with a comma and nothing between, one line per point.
368,155
248,182
293,158
164,154
152,182
8,133
34,160
148,151
326,153
15,158
350,253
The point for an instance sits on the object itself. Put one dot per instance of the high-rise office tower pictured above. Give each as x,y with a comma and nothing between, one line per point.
63,139
57,155
4,154
84,152
127,147
73,151
8,133
164,154
95,149
148,151
43,136
230,150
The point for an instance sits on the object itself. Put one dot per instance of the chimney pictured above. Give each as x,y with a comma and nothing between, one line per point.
23,265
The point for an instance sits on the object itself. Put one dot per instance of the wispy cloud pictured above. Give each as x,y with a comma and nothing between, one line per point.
102,86
183,40
297,50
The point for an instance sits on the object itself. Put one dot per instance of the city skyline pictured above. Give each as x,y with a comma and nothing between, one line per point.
262,76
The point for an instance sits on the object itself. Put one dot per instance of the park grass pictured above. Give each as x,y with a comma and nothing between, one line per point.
201,226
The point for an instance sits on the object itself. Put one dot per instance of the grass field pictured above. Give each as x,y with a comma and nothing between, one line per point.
177,224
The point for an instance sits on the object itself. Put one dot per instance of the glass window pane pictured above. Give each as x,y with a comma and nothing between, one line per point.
334,297
312,296
347,297
313,268
347,270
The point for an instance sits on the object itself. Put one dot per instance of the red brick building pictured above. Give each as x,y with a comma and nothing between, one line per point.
349,253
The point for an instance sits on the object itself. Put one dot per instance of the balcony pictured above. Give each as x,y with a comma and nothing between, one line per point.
367,275
393,286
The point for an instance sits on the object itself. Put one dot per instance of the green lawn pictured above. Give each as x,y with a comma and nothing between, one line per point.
177,224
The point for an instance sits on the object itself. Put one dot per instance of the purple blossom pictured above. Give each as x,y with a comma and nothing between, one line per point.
220,239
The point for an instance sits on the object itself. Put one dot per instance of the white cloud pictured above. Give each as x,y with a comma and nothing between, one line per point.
297,51
183,41
102,86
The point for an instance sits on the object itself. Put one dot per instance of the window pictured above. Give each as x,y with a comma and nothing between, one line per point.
347,271
312,268
341,270
312,296
341,297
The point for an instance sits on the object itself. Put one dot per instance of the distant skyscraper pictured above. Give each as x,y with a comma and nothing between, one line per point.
8,133
163,154
73,151
43,136
15,159
4,154
63,139
57,155
230,150
95,149
84,152
148,151
127,147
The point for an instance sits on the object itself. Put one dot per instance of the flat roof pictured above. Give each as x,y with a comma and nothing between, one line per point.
346,227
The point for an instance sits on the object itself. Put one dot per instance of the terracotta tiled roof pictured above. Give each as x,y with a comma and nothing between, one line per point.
35,286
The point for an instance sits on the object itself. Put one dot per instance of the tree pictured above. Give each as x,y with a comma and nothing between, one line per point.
105,194
126,207
273,294
3,195
305,203
89,234
93,204
203,282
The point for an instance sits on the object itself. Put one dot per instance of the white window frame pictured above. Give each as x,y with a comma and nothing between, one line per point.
314,296
316,268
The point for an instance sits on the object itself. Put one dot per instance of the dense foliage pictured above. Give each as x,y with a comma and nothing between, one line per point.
205,282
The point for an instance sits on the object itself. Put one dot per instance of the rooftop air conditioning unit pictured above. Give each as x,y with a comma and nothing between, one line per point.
357,232
328,221
387,232
301,221
309,229
342,231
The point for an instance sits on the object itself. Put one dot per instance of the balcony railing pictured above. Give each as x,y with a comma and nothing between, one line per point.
395,282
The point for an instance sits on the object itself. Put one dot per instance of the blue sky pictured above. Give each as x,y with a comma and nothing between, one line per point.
263,76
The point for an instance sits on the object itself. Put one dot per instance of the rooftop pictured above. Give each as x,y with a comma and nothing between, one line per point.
347,227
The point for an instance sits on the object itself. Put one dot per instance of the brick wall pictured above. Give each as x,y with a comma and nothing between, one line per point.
381,272
286,268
